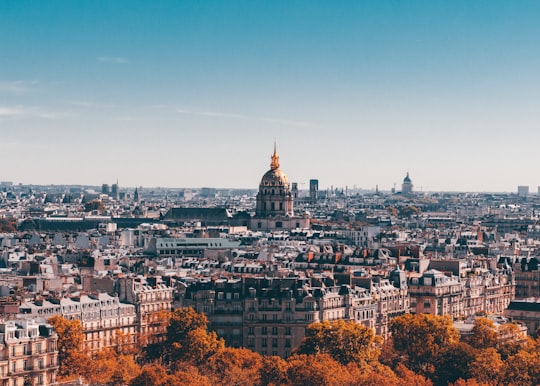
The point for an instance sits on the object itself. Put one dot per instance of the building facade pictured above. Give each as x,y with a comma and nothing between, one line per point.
270,315
103,317
28,353
274,202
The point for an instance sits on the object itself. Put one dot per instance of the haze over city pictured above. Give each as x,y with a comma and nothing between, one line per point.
191,94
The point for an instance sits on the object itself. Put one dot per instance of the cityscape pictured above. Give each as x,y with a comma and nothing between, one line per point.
262,265
269,193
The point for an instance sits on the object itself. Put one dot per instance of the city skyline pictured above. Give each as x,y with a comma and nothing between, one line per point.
189,94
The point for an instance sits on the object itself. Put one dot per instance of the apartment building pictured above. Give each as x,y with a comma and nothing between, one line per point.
28,353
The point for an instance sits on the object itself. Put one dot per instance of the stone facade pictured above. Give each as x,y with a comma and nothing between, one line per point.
102,317
270,315
28,353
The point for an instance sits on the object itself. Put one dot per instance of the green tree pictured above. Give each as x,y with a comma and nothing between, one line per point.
344,341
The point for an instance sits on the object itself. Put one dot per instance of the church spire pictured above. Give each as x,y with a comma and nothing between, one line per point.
275,159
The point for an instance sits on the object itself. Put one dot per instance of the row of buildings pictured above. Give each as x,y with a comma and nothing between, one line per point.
261,266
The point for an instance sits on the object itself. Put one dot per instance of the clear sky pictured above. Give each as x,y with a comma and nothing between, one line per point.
193,93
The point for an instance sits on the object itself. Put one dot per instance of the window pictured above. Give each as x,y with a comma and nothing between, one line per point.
264,342
251,331
279,224
264,331
287,331
274,330
287,343
274,342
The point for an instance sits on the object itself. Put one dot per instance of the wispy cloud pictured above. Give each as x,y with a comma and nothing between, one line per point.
31,112
10,111
287,122
112,59
17,86
87,104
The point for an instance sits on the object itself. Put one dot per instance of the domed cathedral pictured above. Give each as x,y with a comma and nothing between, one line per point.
407,186
274,209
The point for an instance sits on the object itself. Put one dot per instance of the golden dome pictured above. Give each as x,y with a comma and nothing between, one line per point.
275,176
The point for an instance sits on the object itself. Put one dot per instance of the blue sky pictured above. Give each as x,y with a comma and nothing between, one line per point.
193,93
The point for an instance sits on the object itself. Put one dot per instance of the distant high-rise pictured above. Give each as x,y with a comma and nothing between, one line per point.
294,189
114,191
313,189
523,191
105,189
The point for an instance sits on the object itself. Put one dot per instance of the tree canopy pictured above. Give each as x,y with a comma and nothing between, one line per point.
344,341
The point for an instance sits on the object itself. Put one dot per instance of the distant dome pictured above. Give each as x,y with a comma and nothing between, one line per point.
407,179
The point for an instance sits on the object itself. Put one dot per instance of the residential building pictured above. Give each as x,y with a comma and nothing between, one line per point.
28,353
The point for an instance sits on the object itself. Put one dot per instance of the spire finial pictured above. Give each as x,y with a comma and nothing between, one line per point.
275,158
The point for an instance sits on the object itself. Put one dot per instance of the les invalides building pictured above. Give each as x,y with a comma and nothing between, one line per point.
274,210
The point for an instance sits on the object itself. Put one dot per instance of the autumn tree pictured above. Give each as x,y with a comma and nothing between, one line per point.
71,358
151,375
511,339
408,377
453,363
409,211
484,334
317,370
125,371
188,338
233,366
522,369
189,375
273,371
487,367
373,374
419,339
344,341
101,369
93,205
8,225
